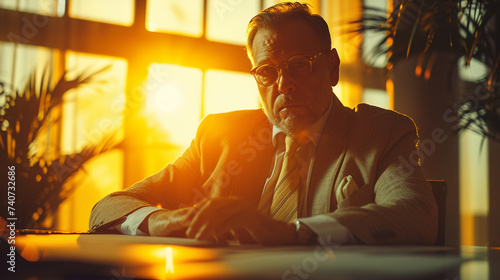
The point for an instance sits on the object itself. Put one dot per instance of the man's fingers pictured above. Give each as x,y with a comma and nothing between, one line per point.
220,224
220,238
163,222
207,224
215,216
212,208
243,236
191,212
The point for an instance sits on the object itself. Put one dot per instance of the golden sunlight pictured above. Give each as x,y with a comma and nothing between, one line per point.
119,12
175,16
92,114
173,101
169,260
227,20
473,187
228,91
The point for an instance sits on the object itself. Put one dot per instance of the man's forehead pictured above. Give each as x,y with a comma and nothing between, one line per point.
294,38
270,42
267,38
283,34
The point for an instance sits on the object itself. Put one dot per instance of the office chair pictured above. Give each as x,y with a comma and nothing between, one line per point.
440,189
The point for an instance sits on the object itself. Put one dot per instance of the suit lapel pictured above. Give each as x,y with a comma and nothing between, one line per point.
329,156
254,155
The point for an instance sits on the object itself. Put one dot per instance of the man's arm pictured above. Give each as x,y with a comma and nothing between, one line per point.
193,177
171,188
404,210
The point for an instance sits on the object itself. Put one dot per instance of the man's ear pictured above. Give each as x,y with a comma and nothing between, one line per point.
334,63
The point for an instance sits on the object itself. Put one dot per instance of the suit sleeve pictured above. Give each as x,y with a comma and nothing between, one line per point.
404,210
173,187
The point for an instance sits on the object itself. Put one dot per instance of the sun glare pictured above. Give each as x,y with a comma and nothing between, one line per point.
166,98
228,91
173,101
175,16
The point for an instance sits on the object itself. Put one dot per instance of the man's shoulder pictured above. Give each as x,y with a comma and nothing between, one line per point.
237,115
240,117
373,114
235,121
371,111
375,122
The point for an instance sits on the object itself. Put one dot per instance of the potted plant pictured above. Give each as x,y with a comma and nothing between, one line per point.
34,177
466,28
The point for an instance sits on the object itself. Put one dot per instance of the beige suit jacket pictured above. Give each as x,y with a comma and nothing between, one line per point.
231,156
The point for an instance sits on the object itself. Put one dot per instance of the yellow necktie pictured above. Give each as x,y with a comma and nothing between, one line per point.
286,193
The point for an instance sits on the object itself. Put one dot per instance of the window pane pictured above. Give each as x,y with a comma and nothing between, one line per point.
472,73
474,187
228,91
227,20
27,60
372,38
173,102
119,12
376,97
103,175
175,16
91,114
42,7
94,110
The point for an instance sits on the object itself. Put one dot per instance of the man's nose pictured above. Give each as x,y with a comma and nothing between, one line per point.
285,82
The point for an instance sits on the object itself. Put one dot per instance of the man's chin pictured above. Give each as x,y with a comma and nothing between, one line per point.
292,124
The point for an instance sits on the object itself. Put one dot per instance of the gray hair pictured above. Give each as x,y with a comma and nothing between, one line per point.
285,12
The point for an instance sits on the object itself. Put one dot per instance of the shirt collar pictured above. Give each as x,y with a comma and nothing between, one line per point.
313,132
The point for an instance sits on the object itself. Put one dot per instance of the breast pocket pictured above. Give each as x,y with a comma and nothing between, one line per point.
348,193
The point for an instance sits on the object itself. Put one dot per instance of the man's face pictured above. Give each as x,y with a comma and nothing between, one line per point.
295,103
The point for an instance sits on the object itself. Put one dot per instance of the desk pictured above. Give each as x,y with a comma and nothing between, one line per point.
119,257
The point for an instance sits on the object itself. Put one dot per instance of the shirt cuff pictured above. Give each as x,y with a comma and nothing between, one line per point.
329,230
131,225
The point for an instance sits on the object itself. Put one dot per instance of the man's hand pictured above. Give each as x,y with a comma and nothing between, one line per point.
164,222
216,218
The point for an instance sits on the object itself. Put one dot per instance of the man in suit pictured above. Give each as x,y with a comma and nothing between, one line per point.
303,169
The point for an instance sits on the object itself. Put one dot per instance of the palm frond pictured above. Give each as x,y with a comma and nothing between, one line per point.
24,118
464,27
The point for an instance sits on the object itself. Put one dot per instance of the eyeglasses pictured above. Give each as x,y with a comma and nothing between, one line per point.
296,66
